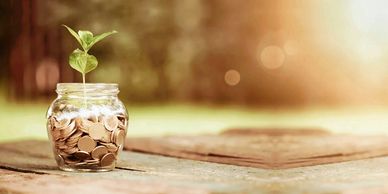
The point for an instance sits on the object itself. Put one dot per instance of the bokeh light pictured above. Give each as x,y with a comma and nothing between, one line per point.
272,57
232,77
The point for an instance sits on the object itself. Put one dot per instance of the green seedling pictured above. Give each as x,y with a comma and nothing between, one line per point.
81,60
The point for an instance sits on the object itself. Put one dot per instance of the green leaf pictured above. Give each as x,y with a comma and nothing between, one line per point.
91,63
82,61
72,32
86,38
100,37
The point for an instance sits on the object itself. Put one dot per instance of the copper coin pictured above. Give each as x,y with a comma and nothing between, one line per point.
56,134
84,125
120,137
62,123
59,160
73,139
108,159
86,144
110,146
93,161
99,152
93,118
111,123
106,137
96,131
70,150
68,131
82,155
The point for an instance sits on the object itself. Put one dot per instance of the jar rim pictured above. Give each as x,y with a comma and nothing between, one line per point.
87,84
104,88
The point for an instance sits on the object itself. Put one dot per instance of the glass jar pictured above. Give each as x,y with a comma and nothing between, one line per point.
87,125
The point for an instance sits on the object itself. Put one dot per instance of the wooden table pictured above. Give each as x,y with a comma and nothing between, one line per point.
29,167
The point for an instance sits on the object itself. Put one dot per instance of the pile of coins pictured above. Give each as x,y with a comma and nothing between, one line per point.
87,142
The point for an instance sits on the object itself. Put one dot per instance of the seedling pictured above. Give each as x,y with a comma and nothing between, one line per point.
81,60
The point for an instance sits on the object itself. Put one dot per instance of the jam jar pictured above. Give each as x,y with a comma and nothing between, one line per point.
87,125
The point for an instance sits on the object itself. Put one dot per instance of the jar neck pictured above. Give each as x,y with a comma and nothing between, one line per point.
89,90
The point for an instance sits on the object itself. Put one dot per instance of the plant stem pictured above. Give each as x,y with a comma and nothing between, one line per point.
84,88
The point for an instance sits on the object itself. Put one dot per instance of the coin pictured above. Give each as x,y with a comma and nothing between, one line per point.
70,150
94,161
96,131
68,131
93,118
106,137
82,155
59,160
110,122
51,123
110,146
84,125
56,134
99,152
62,123
86,144
107,159
120,137
73,139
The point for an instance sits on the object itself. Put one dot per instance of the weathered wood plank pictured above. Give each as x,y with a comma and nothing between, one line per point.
16,182
36,156
270,149
28,167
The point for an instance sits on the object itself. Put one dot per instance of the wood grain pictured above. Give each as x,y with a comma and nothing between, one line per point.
28,163
16,182
28,167
267,148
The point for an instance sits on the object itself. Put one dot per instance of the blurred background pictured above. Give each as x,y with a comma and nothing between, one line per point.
199,66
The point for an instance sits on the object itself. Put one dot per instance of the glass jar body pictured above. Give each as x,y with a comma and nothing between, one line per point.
87,125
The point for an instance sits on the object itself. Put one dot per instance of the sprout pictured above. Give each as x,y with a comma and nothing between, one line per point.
79,59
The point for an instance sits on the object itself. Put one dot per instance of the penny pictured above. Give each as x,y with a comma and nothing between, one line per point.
96,131
59,160
110,146
106,137
51,123
99,152
71,162
111,123
80,163
70,150
120,137
56,134
73,139
86,144
62,123
93,118
62,147
68,131
82,155
84,125
107,159
92,161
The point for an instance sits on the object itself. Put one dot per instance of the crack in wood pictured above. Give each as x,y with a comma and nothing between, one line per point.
21,170
130,169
